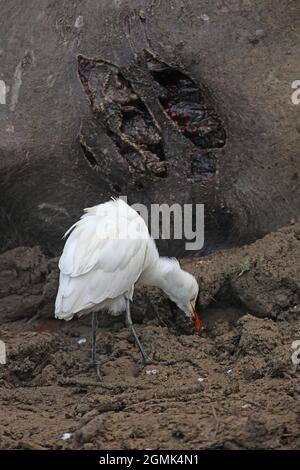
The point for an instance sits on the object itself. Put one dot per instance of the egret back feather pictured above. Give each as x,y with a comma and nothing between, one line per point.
100,262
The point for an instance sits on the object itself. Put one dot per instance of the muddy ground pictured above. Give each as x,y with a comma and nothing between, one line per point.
232,387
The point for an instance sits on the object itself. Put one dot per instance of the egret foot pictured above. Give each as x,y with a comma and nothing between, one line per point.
145,358
95,366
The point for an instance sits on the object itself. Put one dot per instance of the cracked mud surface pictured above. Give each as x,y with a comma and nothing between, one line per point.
233,387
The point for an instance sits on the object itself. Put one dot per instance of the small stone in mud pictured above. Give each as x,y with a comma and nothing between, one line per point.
81,341
142,15
90,430
152,372
82,408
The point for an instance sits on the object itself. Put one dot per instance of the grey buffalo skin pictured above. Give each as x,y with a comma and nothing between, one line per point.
58,155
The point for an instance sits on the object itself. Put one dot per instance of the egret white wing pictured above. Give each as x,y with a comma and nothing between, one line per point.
102,258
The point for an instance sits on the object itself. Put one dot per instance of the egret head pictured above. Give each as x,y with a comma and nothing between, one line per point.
183,289
189,299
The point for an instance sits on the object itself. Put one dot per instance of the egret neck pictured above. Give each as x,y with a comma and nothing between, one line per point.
179,285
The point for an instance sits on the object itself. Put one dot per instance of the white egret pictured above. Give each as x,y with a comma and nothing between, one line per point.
106,253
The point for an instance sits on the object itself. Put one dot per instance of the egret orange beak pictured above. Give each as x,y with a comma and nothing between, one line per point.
197,321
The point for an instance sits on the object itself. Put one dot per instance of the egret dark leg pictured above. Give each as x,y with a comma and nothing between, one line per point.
94,334
146,358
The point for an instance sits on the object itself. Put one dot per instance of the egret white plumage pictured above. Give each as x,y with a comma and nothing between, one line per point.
106,253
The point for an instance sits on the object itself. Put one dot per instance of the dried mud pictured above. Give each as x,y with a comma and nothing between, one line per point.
233,387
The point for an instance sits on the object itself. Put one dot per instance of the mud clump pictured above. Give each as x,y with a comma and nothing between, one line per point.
263,277
233,387
28,282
